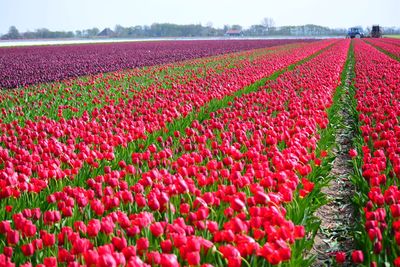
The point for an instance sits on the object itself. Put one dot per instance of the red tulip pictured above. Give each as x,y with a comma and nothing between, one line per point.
353,153
357,256
193,258
50,262
169,260
153,258
106,260
48,239
4,227
340,257
91,257
142,244
93,227
12,237
397,262
28,249
8,251
157,229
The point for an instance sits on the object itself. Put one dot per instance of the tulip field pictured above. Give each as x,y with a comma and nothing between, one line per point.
29,65
200,153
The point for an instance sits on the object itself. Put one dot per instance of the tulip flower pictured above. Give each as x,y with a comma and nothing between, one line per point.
28,249
357,256
12,237
340,257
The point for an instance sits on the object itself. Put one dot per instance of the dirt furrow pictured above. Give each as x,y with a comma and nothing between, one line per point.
337,216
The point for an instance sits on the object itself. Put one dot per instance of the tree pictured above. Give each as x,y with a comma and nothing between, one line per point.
28,35
257,30
236,27
13,33
91,32
43,33
120,31
226,28
268,23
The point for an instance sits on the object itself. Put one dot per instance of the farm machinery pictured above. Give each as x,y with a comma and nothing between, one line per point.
357,32
376,31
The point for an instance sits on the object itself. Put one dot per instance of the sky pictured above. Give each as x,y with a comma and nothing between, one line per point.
83,14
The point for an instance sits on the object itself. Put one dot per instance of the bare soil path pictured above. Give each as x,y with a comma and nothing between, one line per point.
337,216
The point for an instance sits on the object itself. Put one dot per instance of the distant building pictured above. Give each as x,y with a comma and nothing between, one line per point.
107,32
234,33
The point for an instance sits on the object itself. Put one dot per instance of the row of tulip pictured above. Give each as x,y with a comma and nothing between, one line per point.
376,157
394,41
234,187
390,47
20,66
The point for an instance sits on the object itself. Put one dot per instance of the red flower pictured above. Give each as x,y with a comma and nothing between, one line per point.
154,204
129,252
48,239
184,208
237,204
12,237
193,258
107,225
166,246
106,260
395,209
397,262
8,251
29,229
50,262
80,245
353,153
93,227
91,257
4,227
340,257
142,244
64,255
234,262
50,217
157,229
153,258
28,249
357,256
169,260
38,244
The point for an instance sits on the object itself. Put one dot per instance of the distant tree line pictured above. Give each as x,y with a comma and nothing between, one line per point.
391,30
265,28
44,33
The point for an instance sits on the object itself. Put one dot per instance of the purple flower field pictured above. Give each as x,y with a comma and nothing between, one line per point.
20,66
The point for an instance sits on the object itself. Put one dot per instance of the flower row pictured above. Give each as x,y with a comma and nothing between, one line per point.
390,46
377,168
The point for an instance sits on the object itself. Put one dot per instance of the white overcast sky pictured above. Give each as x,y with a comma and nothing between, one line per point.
83,14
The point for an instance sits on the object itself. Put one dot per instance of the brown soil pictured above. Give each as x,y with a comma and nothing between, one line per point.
337,216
